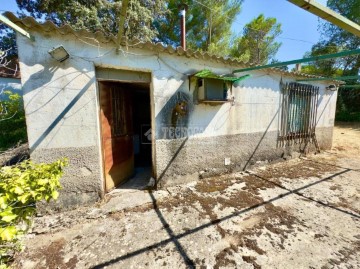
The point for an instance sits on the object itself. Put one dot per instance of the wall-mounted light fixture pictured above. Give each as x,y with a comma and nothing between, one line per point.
59,53
332,87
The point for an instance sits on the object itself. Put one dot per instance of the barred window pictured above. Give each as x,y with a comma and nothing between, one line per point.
299,113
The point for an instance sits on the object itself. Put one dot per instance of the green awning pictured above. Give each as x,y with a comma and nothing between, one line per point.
208,74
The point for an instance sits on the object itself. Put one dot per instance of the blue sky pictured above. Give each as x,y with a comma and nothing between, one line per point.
297,24
300,28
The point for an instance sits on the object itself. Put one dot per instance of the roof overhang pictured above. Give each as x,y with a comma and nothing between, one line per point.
208,74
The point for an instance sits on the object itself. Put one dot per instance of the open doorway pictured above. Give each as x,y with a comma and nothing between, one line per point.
125,116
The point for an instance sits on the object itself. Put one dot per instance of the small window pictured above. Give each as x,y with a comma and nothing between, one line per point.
299,114
212,89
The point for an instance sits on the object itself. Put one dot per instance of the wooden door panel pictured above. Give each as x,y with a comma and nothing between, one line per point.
117,137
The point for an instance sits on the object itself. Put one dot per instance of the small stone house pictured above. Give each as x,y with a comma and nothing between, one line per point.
182,114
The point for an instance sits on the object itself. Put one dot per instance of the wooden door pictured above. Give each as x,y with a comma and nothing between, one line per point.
117,133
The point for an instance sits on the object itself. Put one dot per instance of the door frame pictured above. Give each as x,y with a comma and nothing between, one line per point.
120,79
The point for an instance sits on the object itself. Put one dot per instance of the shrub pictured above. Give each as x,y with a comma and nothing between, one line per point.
21,186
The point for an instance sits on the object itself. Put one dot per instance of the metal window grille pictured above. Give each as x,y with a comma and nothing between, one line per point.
299,114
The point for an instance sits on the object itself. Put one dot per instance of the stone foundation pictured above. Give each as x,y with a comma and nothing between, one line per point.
81,183
178,161
187,159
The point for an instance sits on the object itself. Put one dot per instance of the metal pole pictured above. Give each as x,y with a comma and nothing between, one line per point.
329,15
350,86
183,8
304,60
330,78
18,29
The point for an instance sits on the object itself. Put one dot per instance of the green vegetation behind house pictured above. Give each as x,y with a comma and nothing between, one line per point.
12,121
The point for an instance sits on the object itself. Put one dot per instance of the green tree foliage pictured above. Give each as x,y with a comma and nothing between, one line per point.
335,39
351,10
208,21
21,186
329,67
93,15
208,24
12,120
7,41
99,15
257,45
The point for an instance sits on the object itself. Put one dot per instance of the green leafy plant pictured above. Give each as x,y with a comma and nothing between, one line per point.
21,186
12,120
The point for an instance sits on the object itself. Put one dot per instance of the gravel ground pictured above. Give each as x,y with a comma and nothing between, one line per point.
302,213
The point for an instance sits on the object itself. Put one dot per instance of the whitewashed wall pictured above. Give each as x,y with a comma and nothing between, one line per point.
49,86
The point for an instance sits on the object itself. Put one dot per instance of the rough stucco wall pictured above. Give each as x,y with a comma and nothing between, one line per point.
61,106
61,112
205,156
82,181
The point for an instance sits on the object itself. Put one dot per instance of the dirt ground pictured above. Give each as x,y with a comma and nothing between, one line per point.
302,213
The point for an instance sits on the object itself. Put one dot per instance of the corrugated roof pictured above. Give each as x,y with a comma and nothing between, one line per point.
48,26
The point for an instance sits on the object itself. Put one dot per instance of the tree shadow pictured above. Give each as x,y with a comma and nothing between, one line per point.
296,191
262,138
333,165
170,119
171,234
58,118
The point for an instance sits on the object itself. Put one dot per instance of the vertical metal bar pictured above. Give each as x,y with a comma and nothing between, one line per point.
310,104
286,113
316,108
312,113
301,114
313,95
296,121
293,112
313,124
296,118
282,100
311,117
308,112
290,113
317,98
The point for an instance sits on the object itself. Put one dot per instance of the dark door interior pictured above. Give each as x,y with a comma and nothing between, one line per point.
142,127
